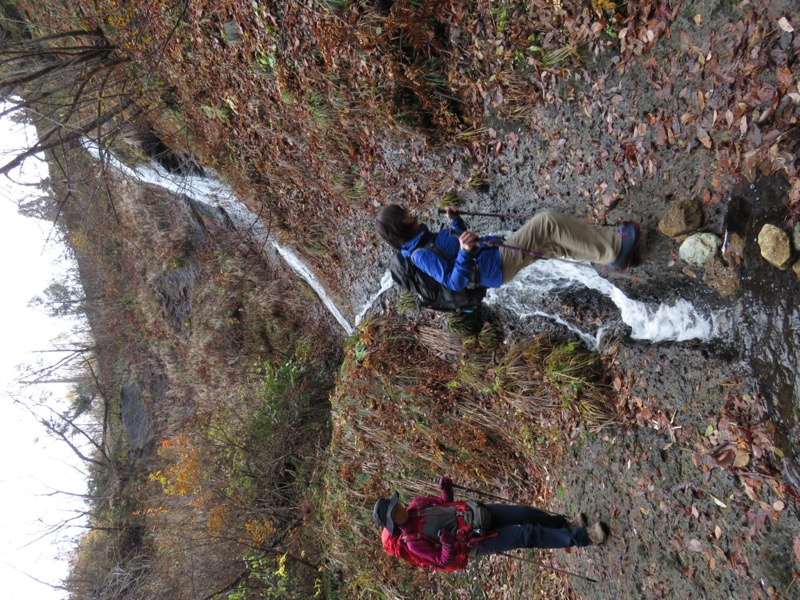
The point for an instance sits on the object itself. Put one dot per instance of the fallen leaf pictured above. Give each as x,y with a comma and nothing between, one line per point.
726,458
662,137
729,117
784,24
751,493
718,502
704,138
742,459
796,546
695,545
717,532
785,78
778,505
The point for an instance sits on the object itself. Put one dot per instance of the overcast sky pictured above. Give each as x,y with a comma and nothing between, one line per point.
34,465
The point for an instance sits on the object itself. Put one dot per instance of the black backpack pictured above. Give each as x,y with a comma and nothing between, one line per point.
428,292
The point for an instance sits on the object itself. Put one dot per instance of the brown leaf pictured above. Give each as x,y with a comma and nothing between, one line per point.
785,78
726,459
751,493
796,546
742,459
703,136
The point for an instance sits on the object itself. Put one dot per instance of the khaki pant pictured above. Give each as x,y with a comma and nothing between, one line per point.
558,236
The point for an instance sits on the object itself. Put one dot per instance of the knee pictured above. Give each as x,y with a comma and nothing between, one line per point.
547,220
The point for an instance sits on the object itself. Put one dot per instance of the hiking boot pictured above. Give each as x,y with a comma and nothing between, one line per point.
630,235
578,521
598,533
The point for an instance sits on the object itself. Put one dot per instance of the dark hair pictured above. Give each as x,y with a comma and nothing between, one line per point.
391,228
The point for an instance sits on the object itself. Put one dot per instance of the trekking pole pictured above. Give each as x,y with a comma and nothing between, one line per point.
469,213
540,565
481,493
493,244
496,497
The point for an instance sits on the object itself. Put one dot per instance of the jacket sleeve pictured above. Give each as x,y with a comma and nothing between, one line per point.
454,277
432,553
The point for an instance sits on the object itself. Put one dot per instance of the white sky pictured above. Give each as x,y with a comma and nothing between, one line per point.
33,464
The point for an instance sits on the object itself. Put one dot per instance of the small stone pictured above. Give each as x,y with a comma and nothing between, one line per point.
681,218
775,246
796,236
796,268
734,250
721,278
699,249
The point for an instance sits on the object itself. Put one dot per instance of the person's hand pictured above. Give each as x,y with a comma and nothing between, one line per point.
468,240
446,538
445,482
452,213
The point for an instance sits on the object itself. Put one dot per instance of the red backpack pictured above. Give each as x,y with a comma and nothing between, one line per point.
396,544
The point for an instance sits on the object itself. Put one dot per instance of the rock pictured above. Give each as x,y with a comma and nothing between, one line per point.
796,268
723,279
681,218
699,248
796,236
775,246
734,249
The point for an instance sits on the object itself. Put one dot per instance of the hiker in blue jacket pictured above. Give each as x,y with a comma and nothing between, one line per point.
471,259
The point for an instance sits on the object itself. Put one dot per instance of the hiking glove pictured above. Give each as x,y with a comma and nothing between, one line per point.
446,484
446,538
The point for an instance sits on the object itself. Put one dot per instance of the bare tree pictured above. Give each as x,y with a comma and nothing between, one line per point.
70,83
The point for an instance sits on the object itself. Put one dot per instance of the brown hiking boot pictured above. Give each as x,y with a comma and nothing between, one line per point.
578,521
598,533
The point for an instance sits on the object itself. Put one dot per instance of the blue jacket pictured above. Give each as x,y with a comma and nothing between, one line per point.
455,273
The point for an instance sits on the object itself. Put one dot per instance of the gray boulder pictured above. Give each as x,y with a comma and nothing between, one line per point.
699,249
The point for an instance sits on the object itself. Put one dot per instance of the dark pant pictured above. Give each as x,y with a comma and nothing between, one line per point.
519,526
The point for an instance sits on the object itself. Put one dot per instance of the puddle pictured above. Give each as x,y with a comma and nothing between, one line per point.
765,316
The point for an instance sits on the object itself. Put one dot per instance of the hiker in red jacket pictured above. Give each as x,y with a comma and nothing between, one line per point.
440,533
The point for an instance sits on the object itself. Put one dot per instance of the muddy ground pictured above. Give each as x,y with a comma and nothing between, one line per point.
686,523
